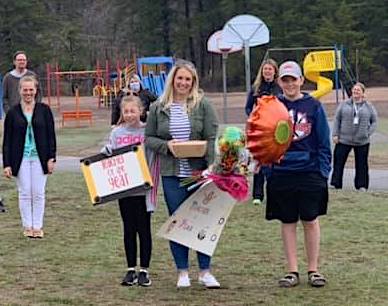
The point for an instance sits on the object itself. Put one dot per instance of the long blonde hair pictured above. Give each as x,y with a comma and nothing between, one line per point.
259,77
195,94
127,100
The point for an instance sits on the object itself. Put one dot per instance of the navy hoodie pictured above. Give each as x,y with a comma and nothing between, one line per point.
310,149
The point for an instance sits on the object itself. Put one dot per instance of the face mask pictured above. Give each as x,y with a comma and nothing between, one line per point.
134,86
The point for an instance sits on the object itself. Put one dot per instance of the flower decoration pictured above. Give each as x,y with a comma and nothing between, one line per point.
230,168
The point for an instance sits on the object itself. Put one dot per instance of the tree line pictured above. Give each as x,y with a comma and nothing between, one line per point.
77,33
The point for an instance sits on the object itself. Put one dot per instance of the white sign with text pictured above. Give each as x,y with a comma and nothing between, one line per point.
199,221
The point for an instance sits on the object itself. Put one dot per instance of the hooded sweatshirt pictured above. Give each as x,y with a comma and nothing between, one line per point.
310,149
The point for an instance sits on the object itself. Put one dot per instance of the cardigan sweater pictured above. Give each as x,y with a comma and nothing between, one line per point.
204,126
15,128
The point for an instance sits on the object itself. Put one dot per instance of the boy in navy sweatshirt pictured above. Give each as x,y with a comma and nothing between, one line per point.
297,186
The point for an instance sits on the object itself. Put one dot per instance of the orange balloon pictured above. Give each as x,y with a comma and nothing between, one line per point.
268,131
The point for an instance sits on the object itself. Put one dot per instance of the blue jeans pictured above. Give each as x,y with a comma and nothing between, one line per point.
174,196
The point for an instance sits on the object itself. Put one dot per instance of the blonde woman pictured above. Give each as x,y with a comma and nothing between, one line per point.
182,113
265,84
29,149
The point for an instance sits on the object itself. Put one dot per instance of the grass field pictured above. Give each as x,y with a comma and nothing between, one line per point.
81,260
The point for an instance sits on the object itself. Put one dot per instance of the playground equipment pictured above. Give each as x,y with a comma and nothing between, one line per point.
77,114
153,72
321,61
57,74
107,83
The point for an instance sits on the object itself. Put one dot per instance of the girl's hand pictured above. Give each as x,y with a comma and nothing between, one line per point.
7,172
335,139
50,165
170,146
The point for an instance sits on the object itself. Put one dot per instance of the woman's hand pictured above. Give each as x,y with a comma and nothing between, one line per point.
170,146
335,139
50,165
7,172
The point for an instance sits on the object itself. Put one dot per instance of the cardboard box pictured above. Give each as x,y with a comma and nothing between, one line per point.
191,148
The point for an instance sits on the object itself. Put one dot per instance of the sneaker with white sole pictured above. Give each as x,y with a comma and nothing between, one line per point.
209,281
143,278
130,278
183,281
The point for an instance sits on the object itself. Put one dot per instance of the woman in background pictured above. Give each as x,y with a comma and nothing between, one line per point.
355,121
265,84
136,88
29,150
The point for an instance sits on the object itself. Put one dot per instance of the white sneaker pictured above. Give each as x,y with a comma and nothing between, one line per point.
183,281
209,281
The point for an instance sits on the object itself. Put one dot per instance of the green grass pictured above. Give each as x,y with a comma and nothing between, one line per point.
81,260
81,141
382,125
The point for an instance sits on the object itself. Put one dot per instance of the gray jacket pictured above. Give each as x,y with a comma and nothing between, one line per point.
204,125
350,132
11,94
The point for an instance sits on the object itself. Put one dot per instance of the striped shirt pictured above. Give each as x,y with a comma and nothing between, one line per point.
180,130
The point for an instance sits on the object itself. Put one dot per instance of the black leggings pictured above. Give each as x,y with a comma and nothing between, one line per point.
136,220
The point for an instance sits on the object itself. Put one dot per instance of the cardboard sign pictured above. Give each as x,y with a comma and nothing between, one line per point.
199,221
119,175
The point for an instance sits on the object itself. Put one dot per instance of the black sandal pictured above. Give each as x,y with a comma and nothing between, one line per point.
316,279
289,280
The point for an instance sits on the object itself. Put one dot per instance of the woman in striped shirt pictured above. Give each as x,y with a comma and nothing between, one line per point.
181,114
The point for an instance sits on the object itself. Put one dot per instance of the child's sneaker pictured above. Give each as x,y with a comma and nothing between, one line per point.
130,278
257,202
209,281
143,278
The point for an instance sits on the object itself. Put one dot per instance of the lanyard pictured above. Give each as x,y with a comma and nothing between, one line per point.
357,109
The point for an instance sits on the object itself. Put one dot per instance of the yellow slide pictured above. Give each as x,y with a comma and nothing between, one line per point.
320,61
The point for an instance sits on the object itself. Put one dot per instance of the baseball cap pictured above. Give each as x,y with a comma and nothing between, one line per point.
290,68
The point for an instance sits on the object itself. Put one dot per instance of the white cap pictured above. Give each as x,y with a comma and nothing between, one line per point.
290,68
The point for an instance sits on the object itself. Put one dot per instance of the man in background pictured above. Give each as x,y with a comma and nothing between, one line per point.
11,80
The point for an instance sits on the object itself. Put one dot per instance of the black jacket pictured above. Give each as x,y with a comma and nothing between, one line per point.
146,97
266,88
15,128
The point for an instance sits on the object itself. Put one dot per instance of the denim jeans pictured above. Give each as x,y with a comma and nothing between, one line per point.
174,195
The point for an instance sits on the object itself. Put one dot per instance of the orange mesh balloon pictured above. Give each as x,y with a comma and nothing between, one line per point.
268,130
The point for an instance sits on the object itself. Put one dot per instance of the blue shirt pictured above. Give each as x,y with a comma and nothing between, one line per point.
29,144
